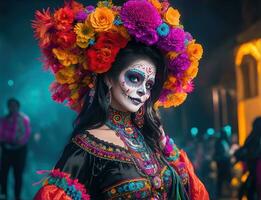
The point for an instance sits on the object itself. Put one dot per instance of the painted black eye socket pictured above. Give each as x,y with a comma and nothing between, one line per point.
149,86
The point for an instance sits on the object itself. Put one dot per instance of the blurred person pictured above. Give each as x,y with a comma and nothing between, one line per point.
222,158
250,153
14,135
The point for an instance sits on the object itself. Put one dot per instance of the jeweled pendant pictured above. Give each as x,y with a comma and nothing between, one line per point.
156,182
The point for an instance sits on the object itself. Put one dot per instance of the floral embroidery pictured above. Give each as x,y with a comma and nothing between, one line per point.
129,189
102,149
172,154
139,188
171,151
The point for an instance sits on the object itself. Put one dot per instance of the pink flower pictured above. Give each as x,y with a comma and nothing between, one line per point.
179,64
174,41
141,23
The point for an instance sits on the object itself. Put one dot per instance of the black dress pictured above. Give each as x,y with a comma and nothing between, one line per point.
107,171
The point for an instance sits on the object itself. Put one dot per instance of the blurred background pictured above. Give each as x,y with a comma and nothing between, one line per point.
226,99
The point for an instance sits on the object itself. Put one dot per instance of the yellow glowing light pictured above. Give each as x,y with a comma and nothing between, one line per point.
244,177
252,48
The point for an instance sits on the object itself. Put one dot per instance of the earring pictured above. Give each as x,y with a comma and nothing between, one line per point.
108,95
139,116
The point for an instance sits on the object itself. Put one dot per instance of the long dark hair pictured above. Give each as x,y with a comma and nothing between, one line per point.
93,115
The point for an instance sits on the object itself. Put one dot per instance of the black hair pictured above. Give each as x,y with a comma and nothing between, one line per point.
94,115
13,100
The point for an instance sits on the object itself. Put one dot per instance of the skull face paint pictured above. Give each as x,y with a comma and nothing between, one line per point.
133,86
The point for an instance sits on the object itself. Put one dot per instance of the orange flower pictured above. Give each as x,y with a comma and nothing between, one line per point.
169,84
172,16
42,25
76,7
195,51
156,4
65,57
101,19
63,18
172,55
175,99
192,71
121,30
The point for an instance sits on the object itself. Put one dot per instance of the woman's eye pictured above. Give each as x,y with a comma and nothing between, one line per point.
149,86
134,79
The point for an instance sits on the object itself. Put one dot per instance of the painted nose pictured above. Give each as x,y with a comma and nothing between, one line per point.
141,91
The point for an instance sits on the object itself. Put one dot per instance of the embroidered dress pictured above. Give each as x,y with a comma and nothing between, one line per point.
91,168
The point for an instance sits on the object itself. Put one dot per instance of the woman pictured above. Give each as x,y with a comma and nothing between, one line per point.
116,65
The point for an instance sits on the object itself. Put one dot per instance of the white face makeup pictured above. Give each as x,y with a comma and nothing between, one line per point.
134,86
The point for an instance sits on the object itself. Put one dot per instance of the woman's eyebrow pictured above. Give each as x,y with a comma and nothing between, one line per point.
138,71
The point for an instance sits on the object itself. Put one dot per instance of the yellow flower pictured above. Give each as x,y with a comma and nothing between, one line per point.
65,57
192,71
172,16
101,19
65,75
195,51
81,42
105,4
84,31
156,4
75,95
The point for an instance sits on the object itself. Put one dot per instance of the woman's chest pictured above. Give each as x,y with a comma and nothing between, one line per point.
126,181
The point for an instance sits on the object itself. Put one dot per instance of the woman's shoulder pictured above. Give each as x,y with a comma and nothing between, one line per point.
102,144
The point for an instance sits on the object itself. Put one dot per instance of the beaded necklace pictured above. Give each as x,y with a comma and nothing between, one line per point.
143,156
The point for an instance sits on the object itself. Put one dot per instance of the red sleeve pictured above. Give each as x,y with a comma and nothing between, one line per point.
51,192
60,186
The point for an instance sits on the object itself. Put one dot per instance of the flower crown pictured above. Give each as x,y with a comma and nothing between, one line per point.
79,42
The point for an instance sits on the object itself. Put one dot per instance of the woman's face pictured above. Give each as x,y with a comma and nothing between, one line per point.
133,86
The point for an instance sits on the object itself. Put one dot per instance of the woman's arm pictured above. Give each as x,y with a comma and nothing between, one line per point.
69,178
179,160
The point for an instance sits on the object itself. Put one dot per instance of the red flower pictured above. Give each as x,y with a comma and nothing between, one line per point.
42,26
65,39
101,56
63,19
59,92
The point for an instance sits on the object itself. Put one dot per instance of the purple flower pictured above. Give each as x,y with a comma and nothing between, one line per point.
149,38
179,64
174,41
188,36
81,16
140,22
89,9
